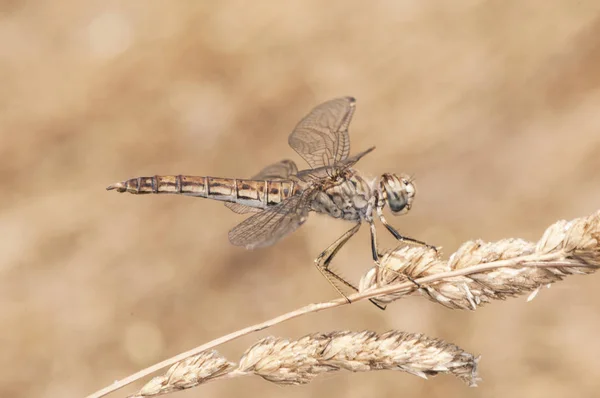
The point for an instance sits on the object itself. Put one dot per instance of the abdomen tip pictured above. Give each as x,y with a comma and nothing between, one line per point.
119,186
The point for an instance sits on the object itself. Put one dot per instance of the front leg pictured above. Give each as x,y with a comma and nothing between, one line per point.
397,235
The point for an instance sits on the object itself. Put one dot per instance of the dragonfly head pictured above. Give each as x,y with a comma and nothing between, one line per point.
398,191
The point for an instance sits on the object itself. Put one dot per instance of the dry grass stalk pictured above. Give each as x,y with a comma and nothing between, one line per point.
476,274
510,267
284,361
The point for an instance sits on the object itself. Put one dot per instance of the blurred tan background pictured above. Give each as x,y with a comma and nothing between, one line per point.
492,105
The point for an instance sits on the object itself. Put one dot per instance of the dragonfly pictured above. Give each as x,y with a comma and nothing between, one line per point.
281,197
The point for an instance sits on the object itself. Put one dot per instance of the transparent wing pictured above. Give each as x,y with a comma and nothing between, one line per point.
327,171
277,171
353,159
242,209
269,226
321,138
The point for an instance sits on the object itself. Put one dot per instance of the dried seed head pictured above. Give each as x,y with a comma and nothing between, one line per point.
188,373
497,270
285,361
299,361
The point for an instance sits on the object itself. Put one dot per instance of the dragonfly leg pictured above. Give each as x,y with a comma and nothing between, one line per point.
375,252
400,238
376,257
397,235
323,261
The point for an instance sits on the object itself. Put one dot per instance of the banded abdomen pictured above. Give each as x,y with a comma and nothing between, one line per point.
252,193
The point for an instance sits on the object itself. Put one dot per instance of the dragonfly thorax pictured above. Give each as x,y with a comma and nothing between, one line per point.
347,198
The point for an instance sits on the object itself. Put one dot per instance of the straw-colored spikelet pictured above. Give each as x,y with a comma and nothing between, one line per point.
503,269
190,372
285,361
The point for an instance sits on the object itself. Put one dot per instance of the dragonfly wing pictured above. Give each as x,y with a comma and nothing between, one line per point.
321,137
241,209
326,171
315,174
277,171
272,224
353,159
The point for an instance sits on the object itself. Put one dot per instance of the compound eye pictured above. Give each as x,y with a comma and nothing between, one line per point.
397,202
399,193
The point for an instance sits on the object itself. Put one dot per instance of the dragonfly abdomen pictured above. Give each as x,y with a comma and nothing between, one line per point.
253,193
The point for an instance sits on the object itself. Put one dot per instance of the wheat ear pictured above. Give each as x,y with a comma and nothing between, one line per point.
486,271
284,361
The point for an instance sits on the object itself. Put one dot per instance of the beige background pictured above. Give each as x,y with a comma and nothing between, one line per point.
492,105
